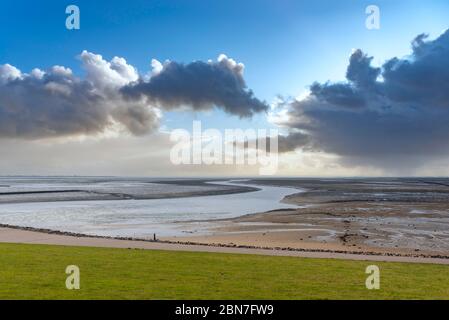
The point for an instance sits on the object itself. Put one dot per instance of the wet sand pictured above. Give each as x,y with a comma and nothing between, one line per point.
54,189
368,219
381,216
16,235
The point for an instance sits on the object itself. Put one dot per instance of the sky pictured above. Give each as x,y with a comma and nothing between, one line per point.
108,108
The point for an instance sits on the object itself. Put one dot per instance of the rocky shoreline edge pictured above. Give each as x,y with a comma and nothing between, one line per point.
223,245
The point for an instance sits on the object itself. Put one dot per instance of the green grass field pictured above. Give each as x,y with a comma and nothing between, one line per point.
38,272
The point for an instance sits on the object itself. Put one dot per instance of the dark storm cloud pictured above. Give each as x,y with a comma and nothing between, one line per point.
56,103
360,72
392,116
284,143
199,85
48,105
339,94
423,81
293,141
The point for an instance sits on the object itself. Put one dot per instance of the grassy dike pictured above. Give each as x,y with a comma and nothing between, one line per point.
38,272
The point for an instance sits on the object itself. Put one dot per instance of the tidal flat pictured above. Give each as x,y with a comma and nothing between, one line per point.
383,215
401,216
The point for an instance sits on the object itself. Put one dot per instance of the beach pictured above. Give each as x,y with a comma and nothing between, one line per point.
14,235
397,216
375,219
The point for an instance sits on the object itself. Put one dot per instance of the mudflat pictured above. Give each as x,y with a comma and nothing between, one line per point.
370,218
385,215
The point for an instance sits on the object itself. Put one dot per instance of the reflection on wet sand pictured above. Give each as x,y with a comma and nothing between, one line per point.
386,215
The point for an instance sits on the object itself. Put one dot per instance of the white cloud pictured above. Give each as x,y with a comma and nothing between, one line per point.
104,74
9,73
156,67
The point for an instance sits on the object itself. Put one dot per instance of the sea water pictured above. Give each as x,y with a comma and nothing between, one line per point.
143,218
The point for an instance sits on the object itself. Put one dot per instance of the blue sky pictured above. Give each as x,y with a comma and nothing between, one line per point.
285,45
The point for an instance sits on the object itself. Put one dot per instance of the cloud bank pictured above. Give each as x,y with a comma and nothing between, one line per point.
198,85
56,103
393,116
